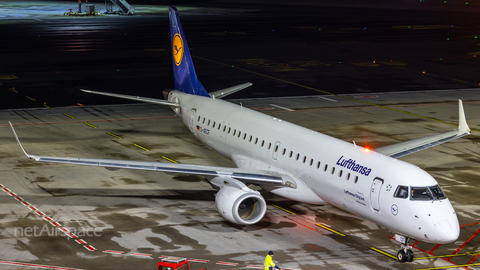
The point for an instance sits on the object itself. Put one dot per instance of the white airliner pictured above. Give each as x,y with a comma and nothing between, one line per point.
297,163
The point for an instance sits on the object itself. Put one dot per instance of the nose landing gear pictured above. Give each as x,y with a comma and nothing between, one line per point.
405,254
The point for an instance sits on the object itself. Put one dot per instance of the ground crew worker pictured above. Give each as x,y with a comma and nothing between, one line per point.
268,264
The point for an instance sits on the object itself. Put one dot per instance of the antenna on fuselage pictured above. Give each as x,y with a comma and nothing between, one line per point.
354,144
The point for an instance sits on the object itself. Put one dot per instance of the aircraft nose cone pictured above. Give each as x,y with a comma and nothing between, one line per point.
446,231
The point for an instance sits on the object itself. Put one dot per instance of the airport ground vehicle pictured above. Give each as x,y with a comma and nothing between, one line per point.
174,263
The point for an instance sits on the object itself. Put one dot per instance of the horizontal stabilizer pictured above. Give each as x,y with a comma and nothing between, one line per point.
136,98
230,90
406,148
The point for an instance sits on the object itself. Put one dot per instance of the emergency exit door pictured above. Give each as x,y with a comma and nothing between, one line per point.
375,193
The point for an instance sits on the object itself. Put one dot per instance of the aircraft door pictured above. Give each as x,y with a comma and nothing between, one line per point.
375,193
192,120
276,148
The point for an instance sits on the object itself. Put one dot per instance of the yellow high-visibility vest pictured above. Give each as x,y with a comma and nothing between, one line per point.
268,262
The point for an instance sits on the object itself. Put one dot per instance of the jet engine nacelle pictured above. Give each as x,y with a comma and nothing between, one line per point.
240,206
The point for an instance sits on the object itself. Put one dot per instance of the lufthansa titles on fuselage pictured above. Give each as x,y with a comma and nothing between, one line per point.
353,165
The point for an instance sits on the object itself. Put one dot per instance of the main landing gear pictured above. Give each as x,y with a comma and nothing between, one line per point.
405,254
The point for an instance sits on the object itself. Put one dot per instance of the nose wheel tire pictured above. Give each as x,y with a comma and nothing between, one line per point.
409,255
401,256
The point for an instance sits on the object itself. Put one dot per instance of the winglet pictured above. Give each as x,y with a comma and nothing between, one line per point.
462,122
18,141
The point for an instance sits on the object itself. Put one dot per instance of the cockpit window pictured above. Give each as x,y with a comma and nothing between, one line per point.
427,193
438,193
401,192
421,194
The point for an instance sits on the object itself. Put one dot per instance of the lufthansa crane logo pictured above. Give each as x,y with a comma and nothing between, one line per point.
177,45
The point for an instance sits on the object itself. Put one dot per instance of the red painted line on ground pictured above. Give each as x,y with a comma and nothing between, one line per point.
198,260
47,218
40,213
307,227
63,229
33,208
2,186
72,235
38,265
474,258
80,241
255,266
12,194
18,199
6,190
466,242
142,254
113,251
90,248
26,203
56,224
437,246
227,263
469,224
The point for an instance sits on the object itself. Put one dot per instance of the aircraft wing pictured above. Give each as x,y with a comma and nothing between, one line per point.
136,98
249,176
406,148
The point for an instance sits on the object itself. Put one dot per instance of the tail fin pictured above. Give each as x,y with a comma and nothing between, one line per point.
184,73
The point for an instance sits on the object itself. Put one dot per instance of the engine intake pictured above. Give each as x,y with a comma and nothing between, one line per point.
240,206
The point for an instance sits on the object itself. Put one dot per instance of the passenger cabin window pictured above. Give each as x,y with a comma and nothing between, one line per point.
348,176
298,156
198,119
244,136
208,124
284,151
203,122
325,168
291,154
256,140
239,133
304,159
219,126
269,146
318,165
340,173
213,126
263,143
311,162
356,179
224,128
333,170
401,192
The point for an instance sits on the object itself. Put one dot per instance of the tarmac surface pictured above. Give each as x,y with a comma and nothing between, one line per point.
371,72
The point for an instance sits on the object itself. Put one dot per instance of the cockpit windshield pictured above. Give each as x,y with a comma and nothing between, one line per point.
427,193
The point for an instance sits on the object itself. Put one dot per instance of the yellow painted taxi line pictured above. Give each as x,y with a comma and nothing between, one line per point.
8,77
332,230
141,147
328,93
13,90
90,125
31,98
441,256
48,106
290,212
169,159
459,81
450,266
113,135
68,115
383,253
